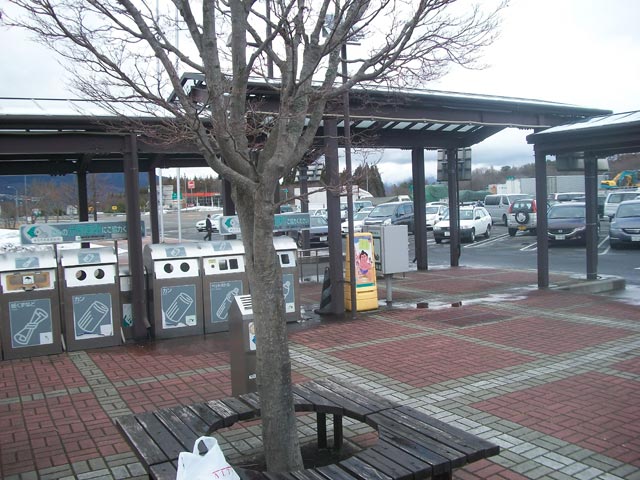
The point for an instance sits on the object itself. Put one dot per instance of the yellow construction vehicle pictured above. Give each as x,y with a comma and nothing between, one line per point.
626,178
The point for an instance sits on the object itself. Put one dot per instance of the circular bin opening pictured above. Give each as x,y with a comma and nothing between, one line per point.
81,275
168,268
184,266
99,274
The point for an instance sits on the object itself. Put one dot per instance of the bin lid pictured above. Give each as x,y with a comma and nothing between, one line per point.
221,248
284,242
164,251
25,260
88,256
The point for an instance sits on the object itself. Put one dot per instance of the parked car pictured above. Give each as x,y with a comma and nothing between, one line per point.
201,225
318,232
474,221
357,206
498,206
319,211
625,226
567,196
434,212
523,216
358,221
567,222
392,213
615,198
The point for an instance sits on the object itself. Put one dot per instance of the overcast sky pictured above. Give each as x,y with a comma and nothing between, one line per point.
580,52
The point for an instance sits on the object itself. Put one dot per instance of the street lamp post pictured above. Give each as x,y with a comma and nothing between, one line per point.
15,215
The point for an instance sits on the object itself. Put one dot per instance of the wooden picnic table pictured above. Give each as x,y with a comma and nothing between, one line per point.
410,445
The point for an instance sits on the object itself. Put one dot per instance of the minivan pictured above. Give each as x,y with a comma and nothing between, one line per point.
614,198
498,205
392,213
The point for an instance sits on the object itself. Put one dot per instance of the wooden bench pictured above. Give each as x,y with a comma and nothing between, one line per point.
410,445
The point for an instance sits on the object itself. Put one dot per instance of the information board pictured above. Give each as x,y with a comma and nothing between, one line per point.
47,233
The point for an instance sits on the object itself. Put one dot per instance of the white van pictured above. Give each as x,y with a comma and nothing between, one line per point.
614,198
498,205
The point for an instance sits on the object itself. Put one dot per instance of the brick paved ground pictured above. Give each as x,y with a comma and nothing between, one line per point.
551,376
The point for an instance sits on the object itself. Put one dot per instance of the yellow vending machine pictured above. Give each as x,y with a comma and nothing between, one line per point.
366,287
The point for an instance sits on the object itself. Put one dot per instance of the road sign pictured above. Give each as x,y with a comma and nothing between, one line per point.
74,232
191,184
281,223
174,196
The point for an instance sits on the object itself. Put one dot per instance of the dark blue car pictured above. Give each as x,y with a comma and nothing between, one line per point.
625,225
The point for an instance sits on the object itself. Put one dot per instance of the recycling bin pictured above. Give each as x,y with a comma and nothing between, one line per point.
175,289
287,253
242,345
29,304
126,303
224,276
90,298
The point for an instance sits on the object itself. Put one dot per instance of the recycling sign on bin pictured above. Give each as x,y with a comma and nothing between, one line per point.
92,315
222,294
178,305
31,323
288,286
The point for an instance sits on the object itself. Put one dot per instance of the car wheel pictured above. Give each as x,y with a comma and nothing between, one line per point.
504,220
614,245
521,217
487,234
512,232
472,236
438,240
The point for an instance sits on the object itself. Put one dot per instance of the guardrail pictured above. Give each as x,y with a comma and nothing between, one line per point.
312,256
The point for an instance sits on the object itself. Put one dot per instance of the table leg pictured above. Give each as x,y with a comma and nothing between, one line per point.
321,420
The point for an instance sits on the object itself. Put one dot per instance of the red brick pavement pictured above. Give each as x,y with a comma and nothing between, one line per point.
596,411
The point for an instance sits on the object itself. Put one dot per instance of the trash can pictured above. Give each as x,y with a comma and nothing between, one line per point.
90,298
29,304
287,252
126,301
242,345
175,289
224,276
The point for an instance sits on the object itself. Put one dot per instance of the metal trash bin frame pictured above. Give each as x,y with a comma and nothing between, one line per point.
242,346
287,252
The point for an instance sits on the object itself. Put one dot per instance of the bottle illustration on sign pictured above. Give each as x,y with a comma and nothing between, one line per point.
223,309
286,287
178,309
24,336
93,317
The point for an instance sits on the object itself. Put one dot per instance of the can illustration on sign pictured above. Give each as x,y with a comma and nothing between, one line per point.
222,294
252,336
288,288
92,316
31,323
178,305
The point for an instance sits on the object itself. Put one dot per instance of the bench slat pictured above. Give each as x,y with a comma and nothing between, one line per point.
208,416
229,415
244,411
388,467
308,475
355,410
395,454
358,394
439,464
191,420
183,433
362,470
143,445
455,434
246,474
164,471
253,399
320,404
163,437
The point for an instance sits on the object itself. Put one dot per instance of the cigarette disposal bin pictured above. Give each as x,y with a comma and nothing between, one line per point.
91,298
224,276
29,305
175,293
287,251
243,346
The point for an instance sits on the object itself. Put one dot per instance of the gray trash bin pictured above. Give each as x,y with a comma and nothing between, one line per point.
29,304
90,298
242,345
224,276
175,289
287,252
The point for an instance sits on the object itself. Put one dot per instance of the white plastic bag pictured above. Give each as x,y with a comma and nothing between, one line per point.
210,466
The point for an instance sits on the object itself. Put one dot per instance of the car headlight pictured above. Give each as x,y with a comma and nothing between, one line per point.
387,222
437,228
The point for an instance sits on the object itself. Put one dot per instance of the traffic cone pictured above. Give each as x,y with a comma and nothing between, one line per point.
325,298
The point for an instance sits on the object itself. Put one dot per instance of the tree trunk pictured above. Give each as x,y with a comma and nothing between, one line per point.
273,365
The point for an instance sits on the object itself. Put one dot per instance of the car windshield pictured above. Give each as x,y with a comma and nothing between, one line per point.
567,211
383,211
432,210
628,210
361,215
317,221
466,214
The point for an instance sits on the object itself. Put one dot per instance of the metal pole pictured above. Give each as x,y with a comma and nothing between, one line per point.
541,228
419,209
179,202
591,200
15,197
454,212
347,158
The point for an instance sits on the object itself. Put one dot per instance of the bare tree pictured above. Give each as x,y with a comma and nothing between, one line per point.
124,50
